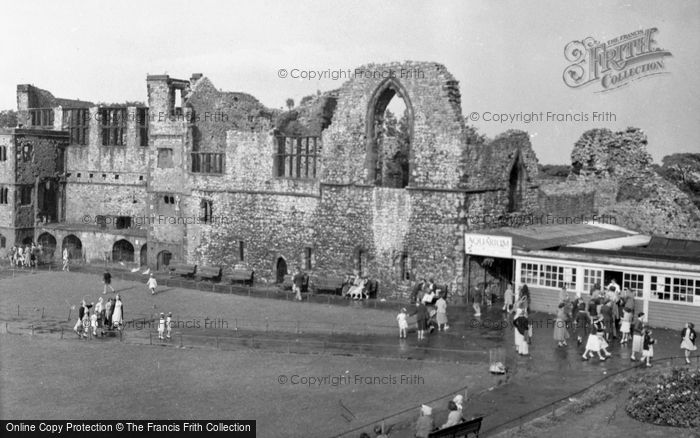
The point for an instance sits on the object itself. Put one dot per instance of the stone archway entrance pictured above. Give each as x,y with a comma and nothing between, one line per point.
123,251
48,247
163,260
74,246
281,270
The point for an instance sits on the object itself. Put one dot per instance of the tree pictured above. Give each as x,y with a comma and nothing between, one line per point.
305,100
8,119
290,103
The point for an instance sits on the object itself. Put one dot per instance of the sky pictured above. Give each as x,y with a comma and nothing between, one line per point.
507,55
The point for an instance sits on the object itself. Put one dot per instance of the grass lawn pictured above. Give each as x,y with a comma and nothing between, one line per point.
46,379
43,377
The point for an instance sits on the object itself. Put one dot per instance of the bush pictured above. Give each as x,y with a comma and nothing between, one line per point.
667,399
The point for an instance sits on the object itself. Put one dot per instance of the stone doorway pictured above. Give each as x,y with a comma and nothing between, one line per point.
281,270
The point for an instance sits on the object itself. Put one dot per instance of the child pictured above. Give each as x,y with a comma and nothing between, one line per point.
168,326
86,323
403,323
625,325
477,302
93,323
508,299
161,326
648,347
152,284
688,336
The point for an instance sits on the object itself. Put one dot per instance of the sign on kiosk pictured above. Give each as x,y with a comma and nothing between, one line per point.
490,246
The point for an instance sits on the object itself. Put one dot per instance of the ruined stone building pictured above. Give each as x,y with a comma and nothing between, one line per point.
215,178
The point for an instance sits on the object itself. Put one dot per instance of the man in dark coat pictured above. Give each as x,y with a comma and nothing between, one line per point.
607,313
417,289
422,316
107,280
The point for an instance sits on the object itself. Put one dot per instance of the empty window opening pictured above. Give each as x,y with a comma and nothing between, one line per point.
165,158
113,126
48,195
207,162
206,207
296,157
41,117
390,123
77,123
404,267
25,194
142,126
515,186
307,259
123,222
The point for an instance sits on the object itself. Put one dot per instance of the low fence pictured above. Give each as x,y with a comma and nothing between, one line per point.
405,418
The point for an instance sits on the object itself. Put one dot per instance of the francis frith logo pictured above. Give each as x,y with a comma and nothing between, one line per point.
614,63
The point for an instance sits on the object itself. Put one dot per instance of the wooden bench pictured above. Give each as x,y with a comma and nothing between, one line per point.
246,276
330,283
463,429
182,270
212,273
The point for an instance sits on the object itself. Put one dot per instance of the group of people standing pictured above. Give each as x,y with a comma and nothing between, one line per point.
608,316
430,311
103,315
25,257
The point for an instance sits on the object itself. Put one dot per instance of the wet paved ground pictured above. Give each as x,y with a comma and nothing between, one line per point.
548,374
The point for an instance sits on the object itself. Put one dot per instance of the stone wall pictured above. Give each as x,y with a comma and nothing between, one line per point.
340,215
618,167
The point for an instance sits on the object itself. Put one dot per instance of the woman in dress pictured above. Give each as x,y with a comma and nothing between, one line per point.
625,325
117,312
521,331
595,340
583,322
688,340
561,334
441,306
454,417
421,319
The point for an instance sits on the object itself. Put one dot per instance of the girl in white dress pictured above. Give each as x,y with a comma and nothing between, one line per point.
117,313
403,322
688,343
